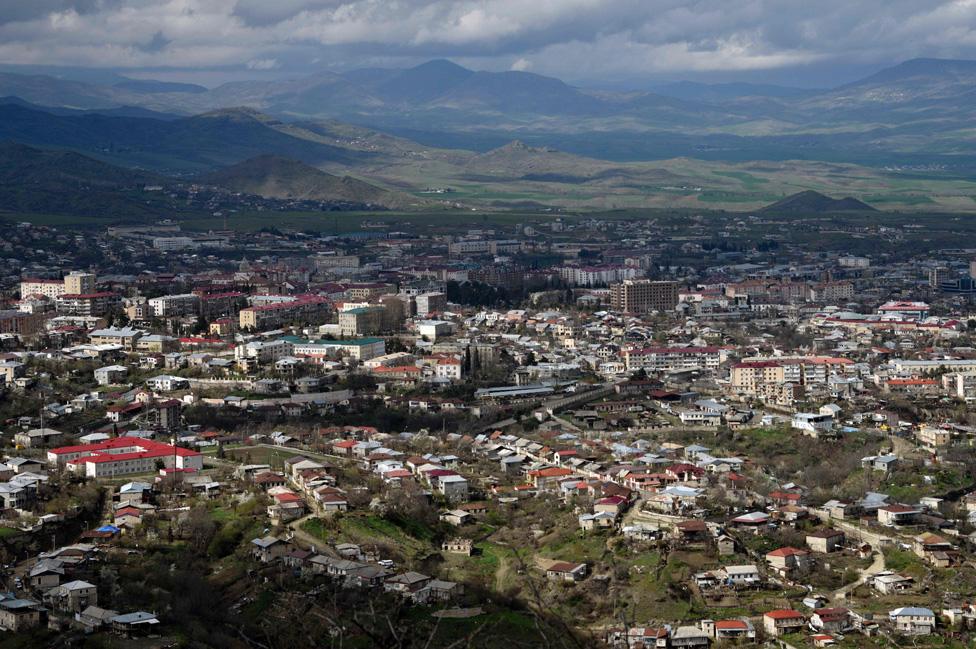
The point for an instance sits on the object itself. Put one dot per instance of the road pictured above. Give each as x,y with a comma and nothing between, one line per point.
878,565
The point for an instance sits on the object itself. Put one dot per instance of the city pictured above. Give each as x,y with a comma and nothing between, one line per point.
487,324
623,431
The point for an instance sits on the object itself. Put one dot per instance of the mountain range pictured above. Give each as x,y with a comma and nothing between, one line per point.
917,112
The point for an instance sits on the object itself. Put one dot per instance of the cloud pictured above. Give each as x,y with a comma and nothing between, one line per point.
262,64
521,65
577,38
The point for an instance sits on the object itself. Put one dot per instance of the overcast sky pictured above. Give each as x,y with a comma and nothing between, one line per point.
598,42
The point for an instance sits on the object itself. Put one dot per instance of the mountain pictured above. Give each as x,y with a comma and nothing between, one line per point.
921,72
50,91
913,93
64,182
274,176
150,86
425,82
121,111
918,113
198,143
811,202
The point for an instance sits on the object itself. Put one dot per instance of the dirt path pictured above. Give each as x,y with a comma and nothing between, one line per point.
301,535
878,565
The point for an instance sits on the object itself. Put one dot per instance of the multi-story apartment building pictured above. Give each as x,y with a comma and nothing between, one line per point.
18,322
597,275
673,358
643,296
360,349
87,304
361,321
215,305
49,288
175,306
79,283
266,316
428,303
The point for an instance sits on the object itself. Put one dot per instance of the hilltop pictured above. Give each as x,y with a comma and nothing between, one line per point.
811,202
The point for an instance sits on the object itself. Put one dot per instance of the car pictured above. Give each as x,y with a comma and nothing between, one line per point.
386,563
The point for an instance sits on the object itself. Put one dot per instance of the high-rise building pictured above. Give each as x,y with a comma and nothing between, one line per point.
643,296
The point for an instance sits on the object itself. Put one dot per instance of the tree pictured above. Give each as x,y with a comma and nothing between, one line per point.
200,528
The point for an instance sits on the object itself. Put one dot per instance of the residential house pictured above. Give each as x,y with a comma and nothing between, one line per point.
783,621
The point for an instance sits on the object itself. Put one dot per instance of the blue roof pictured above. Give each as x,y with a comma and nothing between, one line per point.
109,528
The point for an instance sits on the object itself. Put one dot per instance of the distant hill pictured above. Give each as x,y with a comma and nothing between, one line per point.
811,202
64,182
274,176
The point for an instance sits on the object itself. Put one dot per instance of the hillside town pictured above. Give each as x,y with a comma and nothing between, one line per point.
622,433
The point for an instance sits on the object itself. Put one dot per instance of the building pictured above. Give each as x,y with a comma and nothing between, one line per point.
125,337
49,288
788,562
273,314
111,374
453,487
18,614
433,329
933,436
122,456
783,621
913,620
669,359
825,541
814,425
905,311
175,306
20,323
428,303
38,437
87,304
361,321
215,305
318,351
262,352
73,597
565,571
643,296
895,515
79,283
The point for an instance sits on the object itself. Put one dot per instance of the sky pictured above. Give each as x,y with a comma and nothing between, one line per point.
608,43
